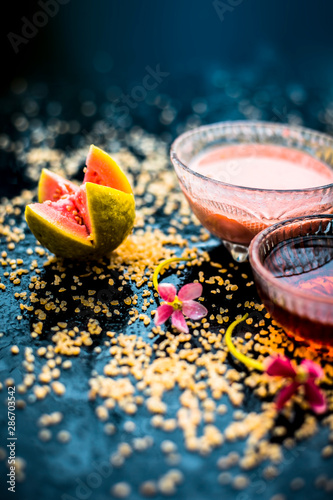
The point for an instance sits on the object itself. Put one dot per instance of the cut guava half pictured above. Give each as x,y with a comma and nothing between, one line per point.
86,221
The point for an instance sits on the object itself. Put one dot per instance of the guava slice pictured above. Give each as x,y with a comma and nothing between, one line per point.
86,221
102,169
52,186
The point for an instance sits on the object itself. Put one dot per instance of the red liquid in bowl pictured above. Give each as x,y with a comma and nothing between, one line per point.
304,264
318,282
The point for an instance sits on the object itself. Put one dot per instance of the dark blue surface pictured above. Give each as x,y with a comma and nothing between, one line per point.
57,471
263,60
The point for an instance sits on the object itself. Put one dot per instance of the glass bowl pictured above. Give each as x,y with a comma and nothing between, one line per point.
292,263
236,214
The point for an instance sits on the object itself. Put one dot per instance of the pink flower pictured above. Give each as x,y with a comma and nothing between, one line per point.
179,305
304,375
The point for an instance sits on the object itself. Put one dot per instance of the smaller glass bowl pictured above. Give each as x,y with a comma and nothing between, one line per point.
235,214
289,250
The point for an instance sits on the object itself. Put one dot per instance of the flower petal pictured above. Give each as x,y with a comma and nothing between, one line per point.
313,369
194,310
167,291
285,394
178,321
280,367
315,397
163,312
190,291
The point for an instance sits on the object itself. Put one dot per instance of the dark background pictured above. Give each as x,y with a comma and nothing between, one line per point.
261,59
97,43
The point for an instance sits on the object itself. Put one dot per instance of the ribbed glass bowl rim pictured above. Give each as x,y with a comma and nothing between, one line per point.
263,273
243,123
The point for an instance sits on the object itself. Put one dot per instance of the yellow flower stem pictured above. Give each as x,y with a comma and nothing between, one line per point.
249,362
164,264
